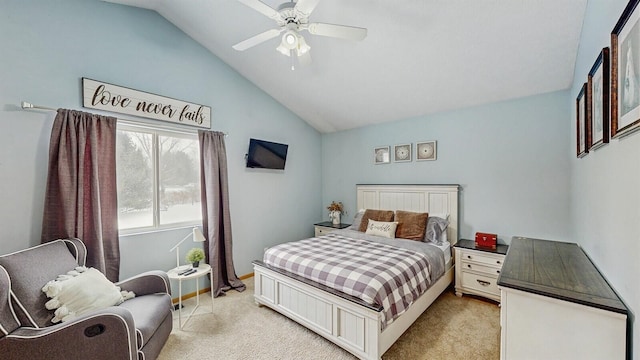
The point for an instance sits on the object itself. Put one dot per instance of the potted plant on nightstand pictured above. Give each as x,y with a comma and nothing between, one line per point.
335,210
194,256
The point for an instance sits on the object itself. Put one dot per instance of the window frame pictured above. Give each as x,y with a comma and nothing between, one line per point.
156,132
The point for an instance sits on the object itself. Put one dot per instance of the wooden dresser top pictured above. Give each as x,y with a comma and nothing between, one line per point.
559,270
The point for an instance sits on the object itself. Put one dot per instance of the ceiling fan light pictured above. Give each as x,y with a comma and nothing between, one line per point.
303,48
283,50
289,40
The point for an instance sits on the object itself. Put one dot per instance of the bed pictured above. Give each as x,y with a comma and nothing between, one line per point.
353,324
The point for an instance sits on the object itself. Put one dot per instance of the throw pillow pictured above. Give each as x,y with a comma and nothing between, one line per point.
377,215
382,228
436,226
80,291
411,225
357,220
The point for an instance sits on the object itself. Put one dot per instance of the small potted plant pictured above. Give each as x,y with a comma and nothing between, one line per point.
335,210
194,256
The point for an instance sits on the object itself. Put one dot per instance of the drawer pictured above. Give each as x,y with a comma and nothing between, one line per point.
489,270
483,283
322,230
484,258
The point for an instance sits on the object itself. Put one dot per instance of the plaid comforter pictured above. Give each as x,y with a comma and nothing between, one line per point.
374,272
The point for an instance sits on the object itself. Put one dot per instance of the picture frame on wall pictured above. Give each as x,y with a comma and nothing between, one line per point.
381,155
402,153
598,101
581,122
625,72
426,151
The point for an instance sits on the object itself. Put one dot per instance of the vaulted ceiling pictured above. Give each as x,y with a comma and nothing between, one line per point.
419,57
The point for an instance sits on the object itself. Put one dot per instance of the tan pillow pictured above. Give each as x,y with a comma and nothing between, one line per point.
377,215
411,225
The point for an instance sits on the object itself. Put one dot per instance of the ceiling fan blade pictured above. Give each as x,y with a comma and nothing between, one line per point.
255,40
263,8
338,31
306,6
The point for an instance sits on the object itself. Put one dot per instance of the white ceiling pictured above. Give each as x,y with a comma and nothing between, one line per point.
419,57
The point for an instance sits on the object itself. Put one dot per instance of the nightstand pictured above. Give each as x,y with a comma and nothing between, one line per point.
325,227
477,269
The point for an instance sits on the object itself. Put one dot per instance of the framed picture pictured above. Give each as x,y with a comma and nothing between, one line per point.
625,72
426,150
402,153
598,101
581,122
381,155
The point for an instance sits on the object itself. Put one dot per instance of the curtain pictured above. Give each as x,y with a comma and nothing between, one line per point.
81,196
216,218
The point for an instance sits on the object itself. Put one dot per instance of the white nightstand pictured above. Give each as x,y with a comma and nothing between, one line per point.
325,227
201,270
477,269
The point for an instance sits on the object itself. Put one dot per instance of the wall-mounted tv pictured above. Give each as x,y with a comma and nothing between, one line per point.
266,154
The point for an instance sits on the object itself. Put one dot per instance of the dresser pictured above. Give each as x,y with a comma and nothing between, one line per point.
477,269
557,305
325,227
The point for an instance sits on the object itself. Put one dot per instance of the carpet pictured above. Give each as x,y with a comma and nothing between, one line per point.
451,328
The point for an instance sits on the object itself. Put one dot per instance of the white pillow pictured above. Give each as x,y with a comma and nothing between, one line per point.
80,291
382,228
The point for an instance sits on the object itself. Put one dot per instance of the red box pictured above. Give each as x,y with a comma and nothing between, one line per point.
486,240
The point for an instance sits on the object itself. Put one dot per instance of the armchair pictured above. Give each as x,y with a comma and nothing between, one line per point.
135,329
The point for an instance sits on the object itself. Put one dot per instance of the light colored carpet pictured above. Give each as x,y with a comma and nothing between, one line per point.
452,328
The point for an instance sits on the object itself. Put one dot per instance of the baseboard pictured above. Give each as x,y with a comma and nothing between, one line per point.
246,276
202,291
190,295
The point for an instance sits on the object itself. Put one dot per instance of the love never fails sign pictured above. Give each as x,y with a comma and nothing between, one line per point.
104,96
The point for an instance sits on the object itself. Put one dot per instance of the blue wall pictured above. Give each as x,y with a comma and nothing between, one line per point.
510,158
48,46
515,159
605,192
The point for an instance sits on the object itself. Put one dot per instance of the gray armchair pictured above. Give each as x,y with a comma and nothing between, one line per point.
136,329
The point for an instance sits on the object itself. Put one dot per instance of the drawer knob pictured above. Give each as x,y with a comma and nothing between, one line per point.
468,256
498,271
469,266
483,283
498,261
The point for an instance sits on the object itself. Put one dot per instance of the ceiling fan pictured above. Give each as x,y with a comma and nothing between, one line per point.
292,18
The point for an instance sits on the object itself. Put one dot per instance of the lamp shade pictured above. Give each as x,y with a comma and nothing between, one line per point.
198,236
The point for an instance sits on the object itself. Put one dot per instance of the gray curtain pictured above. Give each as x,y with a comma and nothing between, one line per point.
81,196
216,218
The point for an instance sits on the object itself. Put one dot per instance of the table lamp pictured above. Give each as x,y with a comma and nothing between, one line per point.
197,237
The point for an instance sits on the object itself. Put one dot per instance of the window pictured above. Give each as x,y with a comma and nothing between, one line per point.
158,175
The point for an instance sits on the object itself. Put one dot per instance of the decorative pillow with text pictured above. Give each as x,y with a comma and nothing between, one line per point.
382,228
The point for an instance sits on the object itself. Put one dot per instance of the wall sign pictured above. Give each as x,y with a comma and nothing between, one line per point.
103,96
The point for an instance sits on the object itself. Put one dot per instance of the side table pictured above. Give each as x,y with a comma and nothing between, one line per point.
201,270
478,268
326,227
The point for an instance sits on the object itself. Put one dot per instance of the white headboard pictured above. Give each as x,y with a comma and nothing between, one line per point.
434,199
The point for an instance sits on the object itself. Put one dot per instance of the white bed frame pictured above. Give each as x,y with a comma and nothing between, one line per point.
352,326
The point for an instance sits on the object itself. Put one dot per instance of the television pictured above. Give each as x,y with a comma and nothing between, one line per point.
266,154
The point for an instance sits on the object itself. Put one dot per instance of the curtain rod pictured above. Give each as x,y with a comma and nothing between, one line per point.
27,105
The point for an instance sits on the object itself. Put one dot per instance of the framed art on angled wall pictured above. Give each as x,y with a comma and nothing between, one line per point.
381,155
402,153
598,101
581,122
625,72
426,150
